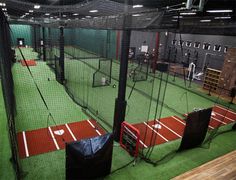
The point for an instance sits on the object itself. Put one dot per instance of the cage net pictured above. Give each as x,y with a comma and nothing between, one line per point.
68,71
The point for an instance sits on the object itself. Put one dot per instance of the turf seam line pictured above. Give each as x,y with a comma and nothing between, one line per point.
53,138
228,111
71,133
219,120
156,132
178,120
224,116
170,129
97,131
25,144
143,143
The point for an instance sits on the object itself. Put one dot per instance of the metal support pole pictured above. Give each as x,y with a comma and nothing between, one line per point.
44,48
120,105
62,58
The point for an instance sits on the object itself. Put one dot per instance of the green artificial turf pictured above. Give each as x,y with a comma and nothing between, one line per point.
6,168
32,114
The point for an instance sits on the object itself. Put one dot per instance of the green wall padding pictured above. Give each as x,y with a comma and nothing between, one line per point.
21,31
93,40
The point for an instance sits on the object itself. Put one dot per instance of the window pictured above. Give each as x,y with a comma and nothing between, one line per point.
174,42
206,46
197,44
181,43
225,49
217,47
188,43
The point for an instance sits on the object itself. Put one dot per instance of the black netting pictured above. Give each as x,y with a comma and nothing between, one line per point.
102,77
7,59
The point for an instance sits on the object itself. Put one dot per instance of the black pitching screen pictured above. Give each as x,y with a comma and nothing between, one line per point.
89,158
195,129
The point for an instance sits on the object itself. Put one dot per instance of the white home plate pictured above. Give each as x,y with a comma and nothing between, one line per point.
59,132
157,126
213,113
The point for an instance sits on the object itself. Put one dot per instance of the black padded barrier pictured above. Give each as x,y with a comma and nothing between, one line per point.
89,158
196,128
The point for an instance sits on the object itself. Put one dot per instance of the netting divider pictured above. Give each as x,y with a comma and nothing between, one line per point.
6,62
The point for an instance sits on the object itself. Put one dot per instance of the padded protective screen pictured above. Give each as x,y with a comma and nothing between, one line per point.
195,129
89,158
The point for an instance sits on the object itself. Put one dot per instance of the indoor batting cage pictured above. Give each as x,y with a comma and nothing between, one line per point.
116,88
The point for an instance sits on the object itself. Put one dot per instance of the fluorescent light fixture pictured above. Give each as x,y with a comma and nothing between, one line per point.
205,20
83,18
148,18
68,19
58,18
51,17
95,17
88,16
177,17
47,14
136,15
138,6
36,6
174,20
31,11
188,13
224,17
93,11
3,4
75,14
63,15
26,13
220,11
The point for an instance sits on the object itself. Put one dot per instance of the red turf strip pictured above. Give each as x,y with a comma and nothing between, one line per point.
173,127
28,62
42,141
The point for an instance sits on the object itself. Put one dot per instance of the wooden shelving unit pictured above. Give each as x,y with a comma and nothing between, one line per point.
211,80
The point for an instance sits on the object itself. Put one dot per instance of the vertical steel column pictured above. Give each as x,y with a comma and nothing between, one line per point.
120,104
62,57
44,42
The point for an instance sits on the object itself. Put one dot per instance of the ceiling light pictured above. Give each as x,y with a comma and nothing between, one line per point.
148,18
205,20
93,11
63,15
83,18
75,14
177,17
220,11
88,16
47,14
4,9
26,13
174,20
51,17
224,17
31,11
138,6
36,6
3,4
136,15
68,19
188,13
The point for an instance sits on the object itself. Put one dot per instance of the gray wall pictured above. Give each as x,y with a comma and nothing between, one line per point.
138,37
214,59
